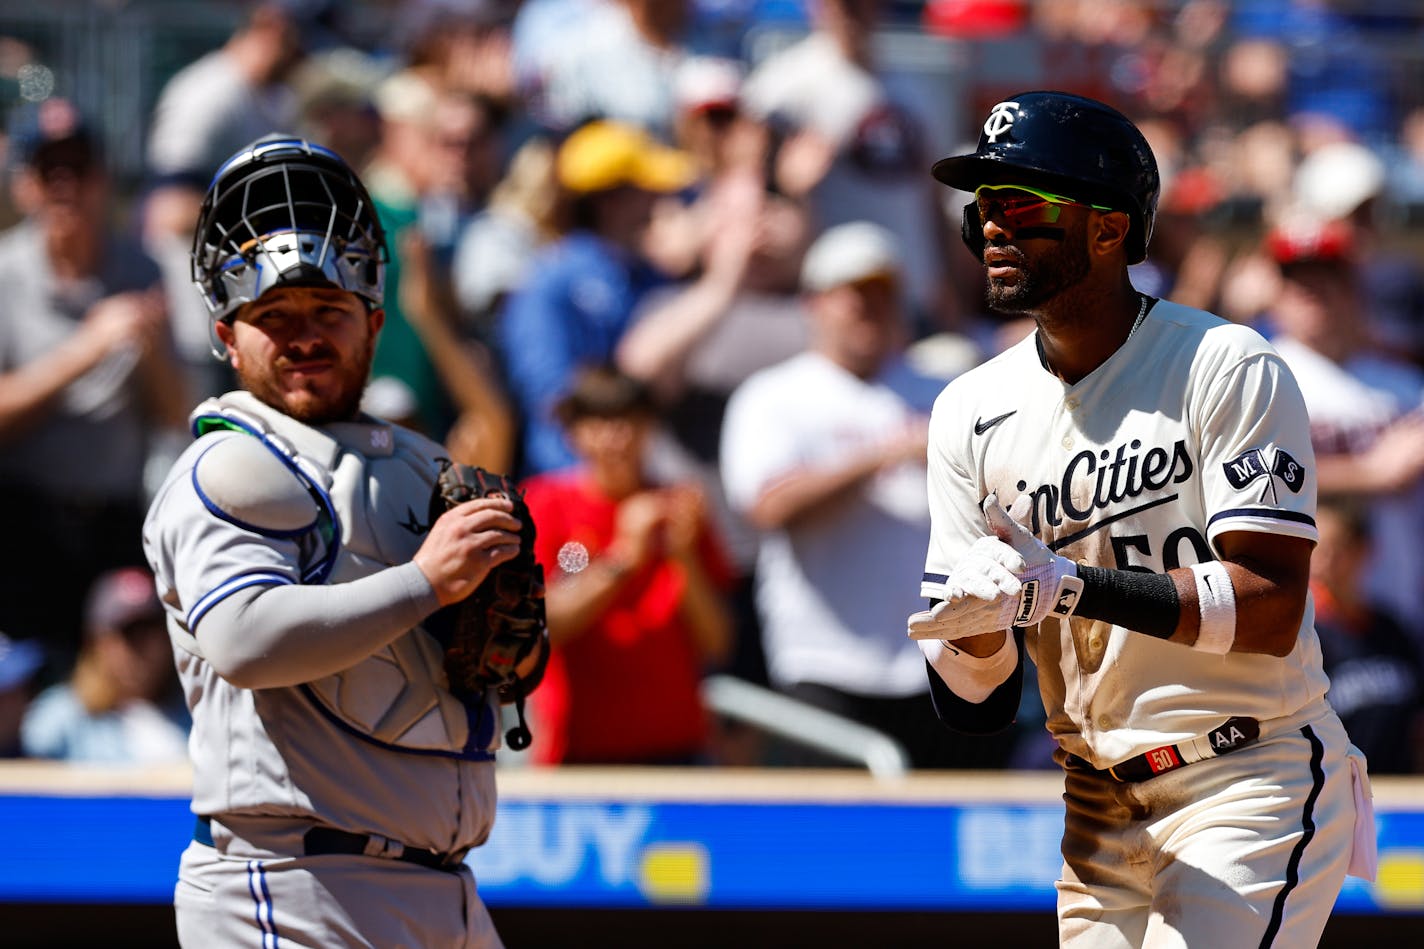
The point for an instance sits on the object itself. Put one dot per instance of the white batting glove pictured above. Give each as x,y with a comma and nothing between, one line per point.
1010,579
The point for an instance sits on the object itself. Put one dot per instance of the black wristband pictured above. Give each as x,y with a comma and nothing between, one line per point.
1133,599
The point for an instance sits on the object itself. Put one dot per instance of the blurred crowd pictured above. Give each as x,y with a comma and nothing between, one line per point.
681,267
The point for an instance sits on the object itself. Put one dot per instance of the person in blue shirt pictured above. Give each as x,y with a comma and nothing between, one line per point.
583,288
20,660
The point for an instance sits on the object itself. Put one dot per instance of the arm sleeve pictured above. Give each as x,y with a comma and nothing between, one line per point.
269,636
1000,706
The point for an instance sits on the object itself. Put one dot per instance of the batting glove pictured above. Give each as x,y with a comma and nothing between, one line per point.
1010,579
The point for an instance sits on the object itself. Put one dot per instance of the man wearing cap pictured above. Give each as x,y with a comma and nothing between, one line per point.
1366,406
1127,496
121,705
88,381
738,310
1349,184
824,454
583,288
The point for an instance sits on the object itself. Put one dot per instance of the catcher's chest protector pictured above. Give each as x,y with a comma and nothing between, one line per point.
370,484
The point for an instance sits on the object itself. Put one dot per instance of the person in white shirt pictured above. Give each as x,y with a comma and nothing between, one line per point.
1366,405
824,454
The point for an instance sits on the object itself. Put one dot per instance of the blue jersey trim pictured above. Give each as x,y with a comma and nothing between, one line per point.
238,522
1269,513
219,593
262,900
319,572
1307,824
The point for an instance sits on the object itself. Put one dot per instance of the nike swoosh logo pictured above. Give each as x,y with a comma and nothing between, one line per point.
981,426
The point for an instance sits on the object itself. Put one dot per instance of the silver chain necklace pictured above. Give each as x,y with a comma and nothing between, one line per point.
1141,315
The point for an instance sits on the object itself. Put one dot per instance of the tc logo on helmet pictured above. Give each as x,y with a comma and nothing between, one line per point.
1000,120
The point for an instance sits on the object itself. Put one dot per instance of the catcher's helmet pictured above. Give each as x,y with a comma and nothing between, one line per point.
1066,144
286,211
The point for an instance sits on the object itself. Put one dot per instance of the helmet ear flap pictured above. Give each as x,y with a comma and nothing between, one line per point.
971,229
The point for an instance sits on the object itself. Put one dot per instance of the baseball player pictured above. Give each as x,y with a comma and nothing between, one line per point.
1156,469
338,782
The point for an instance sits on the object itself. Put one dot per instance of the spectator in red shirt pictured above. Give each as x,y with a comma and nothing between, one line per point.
637,592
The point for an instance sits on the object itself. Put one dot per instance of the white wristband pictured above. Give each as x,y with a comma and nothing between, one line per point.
1216,599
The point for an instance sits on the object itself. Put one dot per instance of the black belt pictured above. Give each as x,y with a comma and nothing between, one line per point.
321,841
1232,735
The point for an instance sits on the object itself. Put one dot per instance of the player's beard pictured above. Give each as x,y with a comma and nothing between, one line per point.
1043,277
338,400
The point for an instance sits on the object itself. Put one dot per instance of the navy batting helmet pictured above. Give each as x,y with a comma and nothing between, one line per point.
285,211
1065,144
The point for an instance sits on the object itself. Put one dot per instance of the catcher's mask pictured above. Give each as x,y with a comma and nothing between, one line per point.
1063,144
285,212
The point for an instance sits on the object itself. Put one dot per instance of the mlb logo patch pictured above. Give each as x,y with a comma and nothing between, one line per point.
1067,602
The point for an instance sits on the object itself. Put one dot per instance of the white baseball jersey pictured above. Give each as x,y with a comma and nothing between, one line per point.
1193,428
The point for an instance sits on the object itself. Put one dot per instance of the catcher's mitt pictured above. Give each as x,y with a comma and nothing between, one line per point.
492,631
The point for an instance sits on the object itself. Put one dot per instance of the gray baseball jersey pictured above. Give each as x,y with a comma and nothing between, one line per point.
379,748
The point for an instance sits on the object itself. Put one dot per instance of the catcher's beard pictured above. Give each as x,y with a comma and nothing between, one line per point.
1049,274
305,404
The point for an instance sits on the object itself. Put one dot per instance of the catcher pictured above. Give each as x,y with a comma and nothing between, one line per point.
344,724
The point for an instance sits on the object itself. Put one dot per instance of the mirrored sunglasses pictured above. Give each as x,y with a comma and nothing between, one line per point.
1022,206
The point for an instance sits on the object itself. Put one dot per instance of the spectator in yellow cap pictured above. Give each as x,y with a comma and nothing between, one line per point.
581,290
